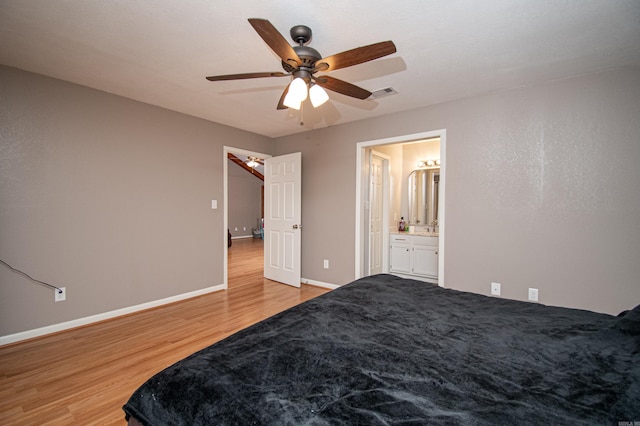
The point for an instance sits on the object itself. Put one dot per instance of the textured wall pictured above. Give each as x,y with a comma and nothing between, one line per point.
111,198
540,190
108,197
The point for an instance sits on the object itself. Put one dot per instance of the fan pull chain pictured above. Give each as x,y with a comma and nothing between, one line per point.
302,113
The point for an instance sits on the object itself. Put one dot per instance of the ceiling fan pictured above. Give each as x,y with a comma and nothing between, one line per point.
303,62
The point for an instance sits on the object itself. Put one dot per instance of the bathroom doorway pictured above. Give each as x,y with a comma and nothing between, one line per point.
392,147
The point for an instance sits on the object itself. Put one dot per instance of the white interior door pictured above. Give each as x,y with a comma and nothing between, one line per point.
375,215
282,227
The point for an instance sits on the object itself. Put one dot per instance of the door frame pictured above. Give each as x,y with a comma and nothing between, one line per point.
225,183
362,195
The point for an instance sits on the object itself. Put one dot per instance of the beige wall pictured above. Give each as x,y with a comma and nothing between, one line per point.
106,196
541,190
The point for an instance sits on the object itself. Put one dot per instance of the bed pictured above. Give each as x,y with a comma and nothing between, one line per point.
393,351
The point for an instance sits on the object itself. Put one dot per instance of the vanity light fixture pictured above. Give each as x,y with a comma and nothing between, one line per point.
428,163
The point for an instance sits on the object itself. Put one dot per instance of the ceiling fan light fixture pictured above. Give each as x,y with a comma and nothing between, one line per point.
298,89
318,95
291,102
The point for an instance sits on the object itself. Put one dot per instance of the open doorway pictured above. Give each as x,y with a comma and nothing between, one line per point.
363,187
243,211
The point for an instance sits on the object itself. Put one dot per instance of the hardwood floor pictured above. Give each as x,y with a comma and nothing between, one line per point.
84,376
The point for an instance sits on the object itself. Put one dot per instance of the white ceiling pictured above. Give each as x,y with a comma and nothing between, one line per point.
160,51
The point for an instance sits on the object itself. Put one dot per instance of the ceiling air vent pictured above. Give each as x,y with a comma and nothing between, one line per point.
383,92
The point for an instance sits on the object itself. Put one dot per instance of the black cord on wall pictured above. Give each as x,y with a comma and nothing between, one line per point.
17,271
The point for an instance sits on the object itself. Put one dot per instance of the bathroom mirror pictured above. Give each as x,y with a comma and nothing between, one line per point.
423,185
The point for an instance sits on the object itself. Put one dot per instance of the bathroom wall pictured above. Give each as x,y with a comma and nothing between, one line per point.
411,154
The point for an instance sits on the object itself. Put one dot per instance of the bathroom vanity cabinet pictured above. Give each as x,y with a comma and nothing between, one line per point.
414,255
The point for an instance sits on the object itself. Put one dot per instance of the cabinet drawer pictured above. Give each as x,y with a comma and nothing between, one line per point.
399,238
425,240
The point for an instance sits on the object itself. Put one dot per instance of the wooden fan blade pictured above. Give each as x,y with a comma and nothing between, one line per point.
275,41
356,56
247,75
281,104
343,87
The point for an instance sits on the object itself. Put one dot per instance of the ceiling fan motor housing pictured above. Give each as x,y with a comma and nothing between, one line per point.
308,56
301,34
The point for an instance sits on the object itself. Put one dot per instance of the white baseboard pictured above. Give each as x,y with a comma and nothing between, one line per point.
319,283
42,331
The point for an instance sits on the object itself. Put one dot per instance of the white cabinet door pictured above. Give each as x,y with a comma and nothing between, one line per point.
414,255
425,261
401,258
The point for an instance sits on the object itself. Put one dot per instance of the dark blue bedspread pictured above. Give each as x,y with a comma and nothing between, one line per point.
385,350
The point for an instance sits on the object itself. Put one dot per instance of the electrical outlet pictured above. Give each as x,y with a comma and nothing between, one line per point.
495,289
60,294
326,264
533,294
244,228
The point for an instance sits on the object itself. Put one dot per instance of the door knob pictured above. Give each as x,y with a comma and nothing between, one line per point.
297,226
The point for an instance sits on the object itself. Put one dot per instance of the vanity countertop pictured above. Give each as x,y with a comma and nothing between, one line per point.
418,234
